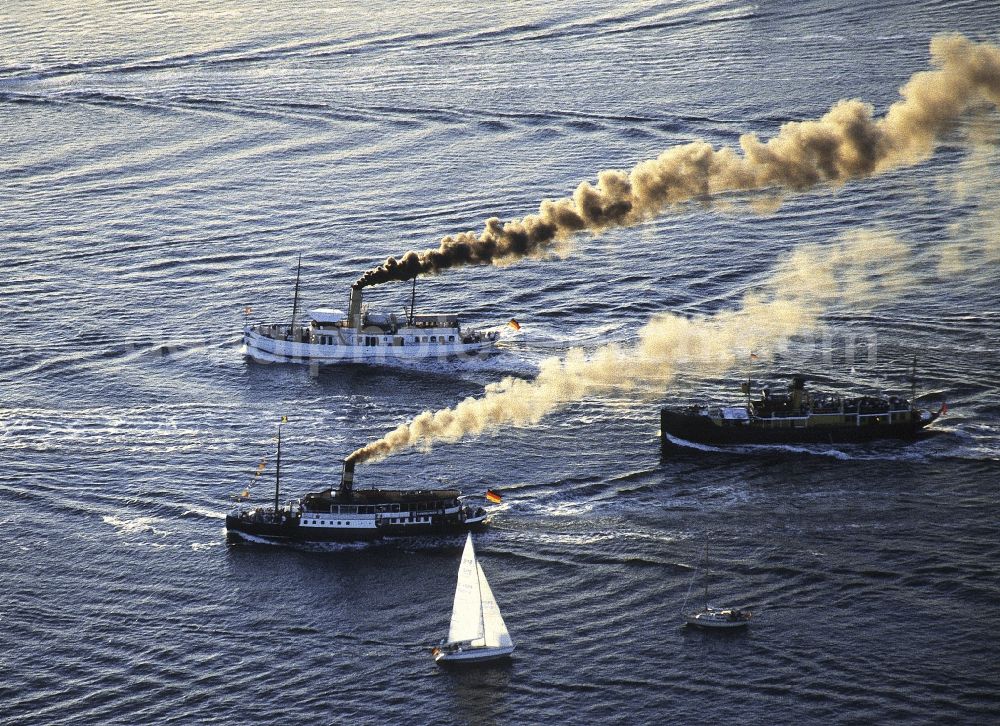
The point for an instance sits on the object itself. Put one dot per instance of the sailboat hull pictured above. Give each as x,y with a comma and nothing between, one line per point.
474,655
715,625
714,619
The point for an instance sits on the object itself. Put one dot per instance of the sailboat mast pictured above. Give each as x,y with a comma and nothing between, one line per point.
704,565
295,300
277,473
479,589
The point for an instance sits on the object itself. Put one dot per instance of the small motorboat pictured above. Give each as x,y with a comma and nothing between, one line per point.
478,633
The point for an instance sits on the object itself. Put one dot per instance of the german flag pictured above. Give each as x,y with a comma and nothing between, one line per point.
493,496
514,324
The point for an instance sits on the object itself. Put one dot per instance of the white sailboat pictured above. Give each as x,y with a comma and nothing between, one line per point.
478,632
711,616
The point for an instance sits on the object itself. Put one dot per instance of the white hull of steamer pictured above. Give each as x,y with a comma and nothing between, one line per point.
263,348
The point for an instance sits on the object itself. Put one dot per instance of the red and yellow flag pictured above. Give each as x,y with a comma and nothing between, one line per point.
493,496
514,324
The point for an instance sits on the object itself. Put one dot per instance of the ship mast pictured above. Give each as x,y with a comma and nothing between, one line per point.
277,468
913,384
413,299
748,387
295,300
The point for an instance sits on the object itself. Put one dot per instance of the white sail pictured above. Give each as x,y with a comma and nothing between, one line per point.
495,630
467,612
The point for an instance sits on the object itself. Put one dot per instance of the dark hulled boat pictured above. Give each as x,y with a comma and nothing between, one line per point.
797,417
346,515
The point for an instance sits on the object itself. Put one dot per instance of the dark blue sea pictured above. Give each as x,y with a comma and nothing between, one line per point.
162,164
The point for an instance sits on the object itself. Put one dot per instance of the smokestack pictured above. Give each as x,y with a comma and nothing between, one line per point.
347,479
797,387
354,308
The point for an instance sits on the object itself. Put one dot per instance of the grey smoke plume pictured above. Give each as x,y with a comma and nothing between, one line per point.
861,267
846,143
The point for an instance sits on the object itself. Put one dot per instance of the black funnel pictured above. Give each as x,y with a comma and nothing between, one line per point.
347,480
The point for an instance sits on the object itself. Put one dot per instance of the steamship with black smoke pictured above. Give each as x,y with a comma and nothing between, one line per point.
347,514
329,336
797,417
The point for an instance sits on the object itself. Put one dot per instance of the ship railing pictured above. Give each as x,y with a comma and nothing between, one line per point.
429,325
281,331
264,515
355,509
816,414
379,509
478,336
771,420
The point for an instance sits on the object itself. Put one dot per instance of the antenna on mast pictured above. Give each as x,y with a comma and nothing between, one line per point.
277,468
295,300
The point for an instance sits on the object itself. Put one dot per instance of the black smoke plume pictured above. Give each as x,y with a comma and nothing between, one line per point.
846,143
